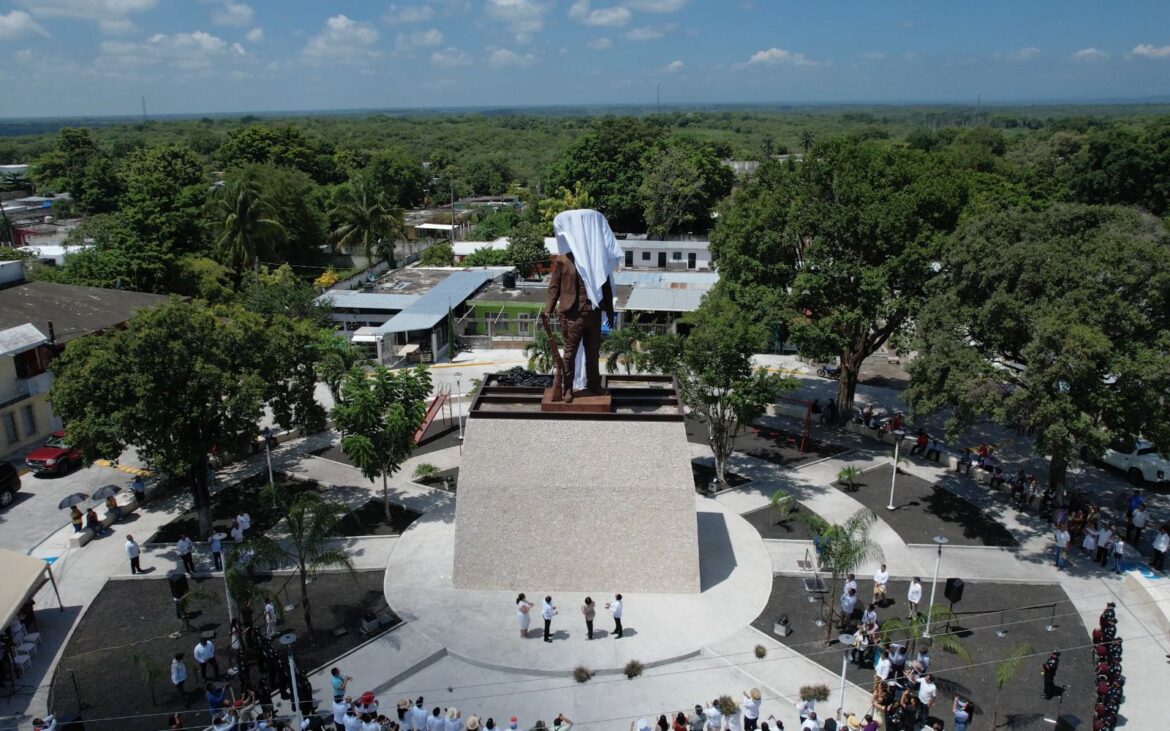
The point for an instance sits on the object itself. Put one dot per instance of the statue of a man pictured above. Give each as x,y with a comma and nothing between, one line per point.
579,290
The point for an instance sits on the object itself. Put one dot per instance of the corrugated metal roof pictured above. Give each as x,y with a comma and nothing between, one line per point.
665,280
665,245
654,299
369,300
20,338
433,306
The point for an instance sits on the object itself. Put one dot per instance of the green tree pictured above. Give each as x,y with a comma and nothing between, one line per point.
177,381
365,220
681,183
914,630
164,200
540,350
840,245
486,257
495,224
623,348
336,357
297,204
117,259
807,138
377,416
280,292
242,219
62,168
309,543
526,248
1057,320
283,146
488,176
205,279
398,177
843,547
716,378
438,255
566,200
1005,672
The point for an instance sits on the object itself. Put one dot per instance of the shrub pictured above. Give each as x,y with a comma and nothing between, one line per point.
818,693
425,471
727,705
782,505
761,651
582,674
848,476
633,669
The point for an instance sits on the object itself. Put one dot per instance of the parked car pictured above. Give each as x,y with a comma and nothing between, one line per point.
1139,460
9,484
55,458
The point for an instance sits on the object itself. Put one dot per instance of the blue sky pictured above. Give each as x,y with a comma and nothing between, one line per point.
72,57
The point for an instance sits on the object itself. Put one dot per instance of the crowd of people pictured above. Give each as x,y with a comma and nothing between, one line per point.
1086,529
1106,661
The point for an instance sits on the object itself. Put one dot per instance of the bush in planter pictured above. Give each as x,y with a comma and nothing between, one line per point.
727,706
848,477
633,669
782,504
426,471
582,674
818,693
761,651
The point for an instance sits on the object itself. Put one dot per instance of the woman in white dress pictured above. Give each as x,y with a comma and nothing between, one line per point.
522,608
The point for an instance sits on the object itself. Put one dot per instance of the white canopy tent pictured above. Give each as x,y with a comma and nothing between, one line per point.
23,577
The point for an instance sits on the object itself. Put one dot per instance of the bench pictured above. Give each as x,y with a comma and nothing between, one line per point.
128,505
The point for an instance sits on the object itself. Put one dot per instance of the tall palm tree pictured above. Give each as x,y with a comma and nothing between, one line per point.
243,218
806,141
367,221
1005,670
622,348
843,547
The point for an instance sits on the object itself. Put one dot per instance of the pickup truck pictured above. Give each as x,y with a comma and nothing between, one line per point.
55,458
1139,460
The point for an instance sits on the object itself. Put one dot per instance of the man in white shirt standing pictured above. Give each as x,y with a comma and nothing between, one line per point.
750,707
269,619
418,716
205,656
811,723
1161,544
714,716
1062,538
880,579
848,606
339,709
548,610
805,708
914,595
927,693
185,547
133,553
179,677
245,522
616,607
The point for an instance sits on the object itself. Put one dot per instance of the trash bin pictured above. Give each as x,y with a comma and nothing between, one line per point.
782,628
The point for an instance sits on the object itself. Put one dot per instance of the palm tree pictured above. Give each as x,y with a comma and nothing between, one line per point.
337,357
244,218
622,348
367,220
844,546
1005,670
540,352
913,630
806,141
311,522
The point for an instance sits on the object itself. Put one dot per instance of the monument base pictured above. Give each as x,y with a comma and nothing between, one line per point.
582,403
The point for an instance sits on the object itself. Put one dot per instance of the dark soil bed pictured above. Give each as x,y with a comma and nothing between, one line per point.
129,623
792,528
228,503
442,434
370,520
705,473
925,510
446,480
1023,610
777,446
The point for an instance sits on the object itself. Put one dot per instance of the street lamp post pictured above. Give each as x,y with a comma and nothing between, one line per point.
459,403
287,639
268,459
898,434
941,541
844,667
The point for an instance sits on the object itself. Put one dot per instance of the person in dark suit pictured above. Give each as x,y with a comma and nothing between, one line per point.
580,322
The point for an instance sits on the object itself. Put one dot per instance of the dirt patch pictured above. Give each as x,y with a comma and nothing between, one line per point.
778,446
370,520
704,475
230,502
792,528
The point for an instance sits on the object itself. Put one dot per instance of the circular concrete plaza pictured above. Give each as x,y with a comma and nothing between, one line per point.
480,627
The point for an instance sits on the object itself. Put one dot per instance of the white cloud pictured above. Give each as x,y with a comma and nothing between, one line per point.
775,56
503,57
657,6
600,44
196,53
87,9
19,24
613,16
873,56
1145,50
673,67
1090,54
404,14
1024,54
117,26
343,41
450,57
419,39
524,18
255,35
233,14
648,32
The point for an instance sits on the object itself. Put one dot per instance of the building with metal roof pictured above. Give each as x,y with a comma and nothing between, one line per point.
655,299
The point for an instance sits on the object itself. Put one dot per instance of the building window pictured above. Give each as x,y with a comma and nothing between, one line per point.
30,420
645,256
676,256
523,318
28,363
10,433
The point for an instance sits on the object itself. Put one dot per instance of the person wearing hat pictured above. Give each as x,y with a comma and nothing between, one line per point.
473,723
750,707
403,706
562,723
852,722
454,720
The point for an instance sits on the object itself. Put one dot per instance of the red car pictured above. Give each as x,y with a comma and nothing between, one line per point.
55,458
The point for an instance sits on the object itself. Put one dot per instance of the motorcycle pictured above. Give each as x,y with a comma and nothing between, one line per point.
829,371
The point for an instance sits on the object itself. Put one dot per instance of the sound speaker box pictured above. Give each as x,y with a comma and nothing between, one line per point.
1067,722
178,584
954,590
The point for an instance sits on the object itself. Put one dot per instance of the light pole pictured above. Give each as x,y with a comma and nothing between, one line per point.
287,639
898,434
268,458
844,667
941,541
459,402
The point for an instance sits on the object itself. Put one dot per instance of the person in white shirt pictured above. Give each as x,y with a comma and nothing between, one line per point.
750,708
133,553
244,521
370,724
205,656
1062,538
927,693
616,607
881,669
454,720
1161,544
185,547
179,677
869,616
435,720
850,583
811,723
714,716
269,619
418,716
548,610
848,606
351,722
1137,523
913,596
806,708
236,533
340,707
880,579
